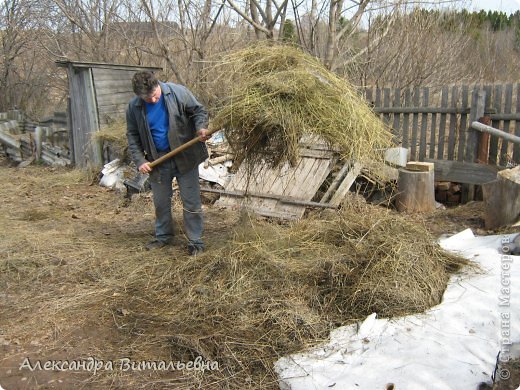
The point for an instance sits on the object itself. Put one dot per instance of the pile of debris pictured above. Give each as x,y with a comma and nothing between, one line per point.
24,146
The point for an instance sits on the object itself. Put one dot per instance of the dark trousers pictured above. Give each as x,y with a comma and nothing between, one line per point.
189,189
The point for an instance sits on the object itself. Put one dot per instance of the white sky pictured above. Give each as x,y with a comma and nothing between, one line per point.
507,6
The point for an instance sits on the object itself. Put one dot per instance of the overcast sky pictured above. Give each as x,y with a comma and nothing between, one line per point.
507,6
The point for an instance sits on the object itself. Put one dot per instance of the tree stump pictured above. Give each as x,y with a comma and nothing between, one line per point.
416,190
502,199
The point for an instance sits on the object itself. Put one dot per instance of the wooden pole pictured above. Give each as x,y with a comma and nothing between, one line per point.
179,149
499,133
281,199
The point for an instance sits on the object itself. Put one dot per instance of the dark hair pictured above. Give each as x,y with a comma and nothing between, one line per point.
144,83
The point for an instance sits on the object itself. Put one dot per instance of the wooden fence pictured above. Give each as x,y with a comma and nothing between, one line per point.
434,124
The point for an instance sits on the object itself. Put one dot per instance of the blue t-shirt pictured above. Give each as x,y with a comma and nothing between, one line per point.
159,124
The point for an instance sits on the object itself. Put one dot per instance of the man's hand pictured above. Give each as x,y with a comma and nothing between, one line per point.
203,134
145,168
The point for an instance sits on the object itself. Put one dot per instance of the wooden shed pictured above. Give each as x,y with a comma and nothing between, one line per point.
98,94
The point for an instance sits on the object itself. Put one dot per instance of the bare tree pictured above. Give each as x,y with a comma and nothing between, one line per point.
90,28
416,50
263,16
23,69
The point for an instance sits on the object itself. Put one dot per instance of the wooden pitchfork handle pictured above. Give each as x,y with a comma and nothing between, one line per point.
179,149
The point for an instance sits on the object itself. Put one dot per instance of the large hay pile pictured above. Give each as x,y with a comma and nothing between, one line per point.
278,93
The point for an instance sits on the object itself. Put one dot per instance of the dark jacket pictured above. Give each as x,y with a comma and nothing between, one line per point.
186,116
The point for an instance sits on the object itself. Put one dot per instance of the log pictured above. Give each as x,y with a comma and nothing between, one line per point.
502,199
416,191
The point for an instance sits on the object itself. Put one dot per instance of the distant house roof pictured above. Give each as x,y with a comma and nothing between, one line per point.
83,64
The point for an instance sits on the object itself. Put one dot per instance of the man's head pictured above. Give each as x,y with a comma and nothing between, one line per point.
146,86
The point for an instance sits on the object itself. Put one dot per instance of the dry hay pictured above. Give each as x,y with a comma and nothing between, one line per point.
279,93
261,291
113,134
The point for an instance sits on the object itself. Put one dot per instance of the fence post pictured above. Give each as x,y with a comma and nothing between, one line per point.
483,142
478,103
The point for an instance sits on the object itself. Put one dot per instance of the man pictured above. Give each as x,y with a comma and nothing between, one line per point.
161,117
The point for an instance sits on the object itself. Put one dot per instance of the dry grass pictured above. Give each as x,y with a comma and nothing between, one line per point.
114,133
75,274
279,94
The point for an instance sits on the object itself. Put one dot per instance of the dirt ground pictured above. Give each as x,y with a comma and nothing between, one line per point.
50,220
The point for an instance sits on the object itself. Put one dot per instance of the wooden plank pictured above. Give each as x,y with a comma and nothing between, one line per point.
505,117
315,153
433,138
297,186
378,99
442,125
259,180
453,123
424,125
109,108
422,110
397,117
386,104
104,93
306,188
415,124
493,141
464,172
84,117
507,110
106,74
300,175
267,181
345,185
516,148
406,119
478,101
463,128
114,99
300,183
335,183
116,85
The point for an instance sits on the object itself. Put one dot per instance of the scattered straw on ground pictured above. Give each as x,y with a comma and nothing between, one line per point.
78,283
279,93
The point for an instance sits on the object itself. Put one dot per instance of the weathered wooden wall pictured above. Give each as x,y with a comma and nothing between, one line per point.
113,91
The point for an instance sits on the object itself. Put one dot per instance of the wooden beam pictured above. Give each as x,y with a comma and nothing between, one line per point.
345,185
477,111
282,199
463,172
335,183
420,110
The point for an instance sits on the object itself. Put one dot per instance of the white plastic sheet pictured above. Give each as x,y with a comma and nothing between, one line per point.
454,345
